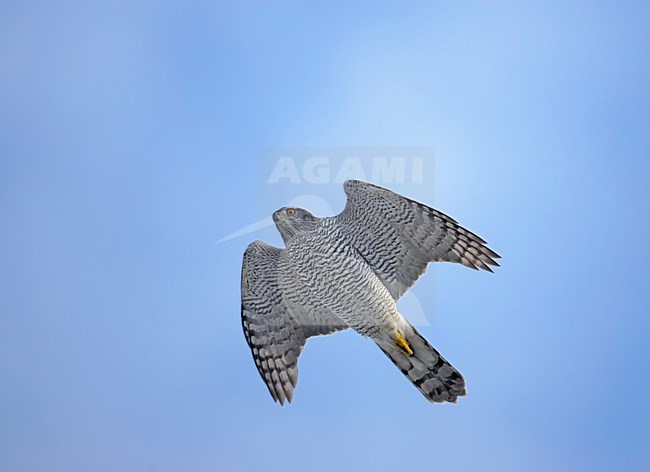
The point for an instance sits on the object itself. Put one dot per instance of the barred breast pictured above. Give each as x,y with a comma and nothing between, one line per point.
333,274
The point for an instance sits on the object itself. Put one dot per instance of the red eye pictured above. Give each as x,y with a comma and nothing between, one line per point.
291,212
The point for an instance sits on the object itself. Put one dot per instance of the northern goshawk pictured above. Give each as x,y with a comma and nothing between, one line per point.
348,271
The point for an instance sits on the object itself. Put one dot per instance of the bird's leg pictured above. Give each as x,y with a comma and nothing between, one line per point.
403,344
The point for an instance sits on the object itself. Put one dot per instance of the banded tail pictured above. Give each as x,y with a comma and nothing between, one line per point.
425,367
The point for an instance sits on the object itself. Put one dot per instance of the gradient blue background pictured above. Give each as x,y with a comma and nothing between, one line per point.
128,136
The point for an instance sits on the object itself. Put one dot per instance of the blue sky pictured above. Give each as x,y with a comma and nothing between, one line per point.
130,135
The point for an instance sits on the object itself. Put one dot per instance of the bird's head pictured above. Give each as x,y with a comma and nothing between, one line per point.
293,221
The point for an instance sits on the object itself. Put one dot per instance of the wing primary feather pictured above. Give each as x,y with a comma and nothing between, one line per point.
275,327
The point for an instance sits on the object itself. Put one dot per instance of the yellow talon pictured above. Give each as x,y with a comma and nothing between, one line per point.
403,343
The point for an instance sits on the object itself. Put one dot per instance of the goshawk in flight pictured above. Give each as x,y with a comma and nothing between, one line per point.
347,271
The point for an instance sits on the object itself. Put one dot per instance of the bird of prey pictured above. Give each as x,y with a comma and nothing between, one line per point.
348,271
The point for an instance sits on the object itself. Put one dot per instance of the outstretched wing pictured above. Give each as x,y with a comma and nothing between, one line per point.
398,237
276,324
